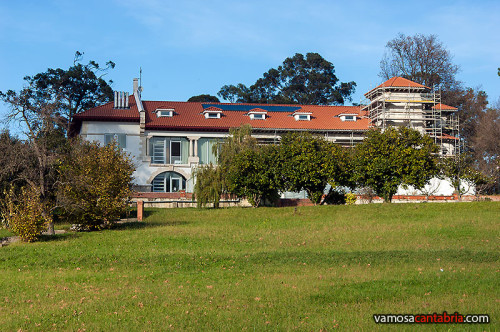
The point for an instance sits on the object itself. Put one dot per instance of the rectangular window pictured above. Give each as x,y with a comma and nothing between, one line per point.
257,116
121,139
213,115
350,118
304,117
205,150
164,113
168,150
175,152
158,155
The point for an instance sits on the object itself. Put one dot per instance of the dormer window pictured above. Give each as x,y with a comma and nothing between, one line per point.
348,117
164,113
257,114
302,116
212,113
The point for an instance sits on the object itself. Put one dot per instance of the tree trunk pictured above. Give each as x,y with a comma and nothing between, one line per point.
388,197
50,228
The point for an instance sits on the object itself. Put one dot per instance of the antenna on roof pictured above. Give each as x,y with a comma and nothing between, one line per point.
140,79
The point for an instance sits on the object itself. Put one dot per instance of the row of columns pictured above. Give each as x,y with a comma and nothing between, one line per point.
193,146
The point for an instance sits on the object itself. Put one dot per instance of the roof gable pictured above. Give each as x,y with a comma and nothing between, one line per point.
400,82
444,107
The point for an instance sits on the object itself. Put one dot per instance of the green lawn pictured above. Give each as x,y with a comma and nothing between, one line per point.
260,269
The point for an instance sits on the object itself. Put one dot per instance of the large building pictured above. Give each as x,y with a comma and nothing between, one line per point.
168,140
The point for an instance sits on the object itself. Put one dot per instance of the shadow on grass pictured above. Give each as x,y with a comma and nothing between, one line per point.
275,260
59,237
146,224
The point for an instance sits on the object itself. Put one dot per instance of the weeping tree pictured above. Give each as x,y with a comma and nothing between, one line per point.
209,185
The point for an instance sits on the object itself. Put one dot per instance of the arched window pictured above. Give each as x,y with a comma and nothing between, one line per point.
169,182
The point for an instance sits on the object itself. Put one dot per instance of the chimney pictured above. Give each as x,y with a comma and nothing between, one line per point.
121,100
136,85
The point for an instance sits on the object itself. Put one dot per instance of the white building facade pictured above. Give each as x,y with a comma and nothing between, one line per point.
168,140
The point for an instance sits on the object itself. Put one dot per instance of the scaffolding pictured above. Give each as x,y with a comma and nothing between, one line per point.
419,109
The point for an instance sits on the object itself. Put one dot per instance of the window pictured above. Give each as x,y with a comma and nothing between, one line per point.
169,182
348,117
164,113
302,117
168,150
175,152
257,116
212,115
121,139
205,151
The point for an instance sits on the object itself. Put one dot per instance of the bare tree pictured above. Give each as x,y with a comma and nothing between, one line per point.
43,139
420,58
485,145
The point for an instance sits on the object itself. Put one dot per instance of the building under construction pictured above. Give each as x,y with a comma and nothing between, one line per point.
401,102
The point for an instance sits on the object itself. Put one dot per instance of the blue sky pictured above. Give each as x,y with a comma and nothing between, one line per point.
187,48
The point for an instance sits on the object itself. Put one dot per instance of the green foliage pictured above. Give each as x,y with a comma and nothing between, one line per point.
248,170
73,90
386,160
94,183
204,99
310,163
252,174
25,213
209,185
307,80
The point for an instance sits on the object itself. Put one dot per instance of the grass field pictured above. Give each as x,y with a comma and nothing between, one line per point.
316,268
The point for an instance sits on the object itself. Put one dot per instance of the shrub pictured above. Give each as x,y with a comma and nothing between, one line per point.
350,199
24,213
94,184
209,185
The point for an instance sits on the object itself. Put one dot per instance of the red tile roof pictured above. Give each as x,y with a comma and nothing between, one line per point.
398,82
401,82
189,116
444,107
106,112
448,137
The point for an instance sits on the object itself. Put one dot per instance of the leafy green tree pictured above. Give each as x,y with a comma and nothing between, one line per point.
209,185
310,163
238,140
94,183
44,109
386,160
299,80
204,99
73,90
253,174
248,170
